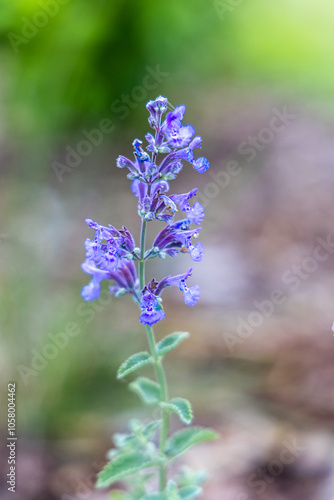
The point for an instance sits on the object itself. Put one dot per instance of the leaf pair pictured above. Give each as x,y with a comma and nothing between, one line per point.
141,359
122,466
130,463
149,393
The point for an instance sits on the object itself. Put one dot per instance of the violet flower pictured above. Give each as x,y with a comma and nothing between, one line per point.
113,253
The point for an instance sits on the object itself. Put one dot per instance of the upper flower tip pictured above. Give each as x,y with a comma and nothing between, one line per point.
160,103
91,223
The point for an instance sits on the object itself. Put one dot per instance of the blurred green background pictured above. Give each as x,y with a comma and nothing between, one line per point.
66,66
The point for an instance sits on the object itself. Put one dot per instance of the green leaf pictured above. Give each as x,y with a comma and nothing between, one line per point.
123,465
151,428
170,342
133,363
184,439
181,407
147,390
190,492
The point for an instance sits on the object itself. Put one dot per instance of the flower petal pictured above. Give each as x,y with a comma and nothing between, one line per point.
196,252
91,291
196,214
191,295
201,164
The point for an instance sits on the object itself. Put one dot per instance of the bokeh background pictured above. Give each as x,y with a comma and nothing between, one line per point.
257,78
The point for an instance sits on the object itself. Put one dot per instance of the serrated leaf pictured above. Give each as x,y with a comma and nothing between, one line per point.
123,465
133,363
181,407
184,439
170,342
190,492
147,390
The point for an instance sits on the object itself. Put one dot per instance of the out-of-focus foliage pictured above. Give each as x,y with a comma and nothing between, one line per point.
89,53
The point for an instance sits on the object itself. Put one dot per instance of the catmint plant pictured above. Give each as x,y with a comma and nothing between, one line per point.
142,457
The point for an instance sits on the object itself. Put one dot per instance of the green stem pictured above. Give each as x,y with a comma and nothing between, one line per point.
160,373
142,253
159,369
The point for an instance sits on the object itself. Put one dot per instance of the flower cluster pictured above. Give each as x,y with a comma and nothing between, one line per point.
109,256
113,254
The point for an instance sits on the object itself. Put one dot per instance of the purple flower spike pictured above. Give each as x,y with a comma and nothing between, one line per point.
113,255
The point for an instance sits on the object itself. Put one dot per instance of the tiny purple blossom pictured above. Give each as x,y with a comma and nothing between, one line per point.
183,199
156,108
196,213
201,164
152,311
122,162
196,251
191,295
172,159
172,281
156,204
175,236
176,134
124,276
92,291
140,154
